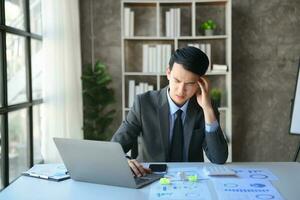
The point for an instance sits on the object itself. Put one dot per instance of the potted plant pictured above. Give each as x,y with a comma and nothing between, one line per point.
208,27
216,94
97,98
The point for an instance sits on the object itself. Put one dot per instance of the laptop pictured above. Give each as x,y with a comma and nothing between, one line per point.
99,162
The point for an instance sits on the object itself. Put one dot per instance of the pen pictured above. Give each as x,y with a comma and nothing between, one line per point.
44,177
33,174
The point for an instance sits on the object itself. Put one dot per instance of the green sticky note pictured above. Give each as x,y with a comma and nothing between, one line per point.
164,181
193,178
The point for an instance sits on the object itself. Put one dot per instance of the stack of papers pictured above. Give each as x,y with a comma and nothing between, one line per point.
55,172
247,184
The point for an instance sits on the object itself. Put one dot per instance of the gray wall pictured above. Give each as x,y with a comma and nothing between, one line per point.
101,30
266,49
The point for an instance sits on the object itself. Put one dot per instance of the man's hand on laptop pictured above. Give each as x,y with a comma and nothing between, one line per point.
137,168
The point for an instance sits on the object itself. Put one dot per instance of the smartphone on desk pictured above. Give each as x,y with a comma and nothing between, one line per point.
158,168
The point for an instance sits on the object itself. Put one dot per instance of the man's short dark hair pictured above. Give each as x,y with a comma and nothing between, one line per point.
192,59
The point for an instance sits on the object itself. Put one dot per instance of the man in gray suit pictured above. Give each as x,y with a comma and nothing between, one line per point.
175,123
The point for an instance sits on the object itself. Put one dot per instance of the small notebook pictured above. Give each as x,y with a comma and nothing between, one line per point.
54,172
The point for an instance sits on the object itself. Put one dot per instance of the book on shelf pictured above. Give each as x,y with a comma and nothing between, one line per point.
206,48
219,68
172,22
128,22
131,32
131,92
156,57
134,90
145,57
167,25
208,53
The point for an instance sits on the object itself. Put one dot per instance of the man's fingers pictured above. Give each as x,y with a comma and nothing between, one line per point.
204,85
200,83
134,168
137,168
148,170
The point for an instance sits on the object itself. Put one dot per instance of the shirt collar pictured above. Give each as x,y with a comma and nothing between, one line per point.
174,107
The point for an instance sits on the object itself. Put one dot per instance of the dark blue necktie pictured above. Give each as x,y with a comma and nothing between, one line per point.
176,150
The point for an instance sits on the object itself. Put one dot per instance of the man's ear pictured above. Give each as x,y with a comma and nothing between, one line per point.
168,72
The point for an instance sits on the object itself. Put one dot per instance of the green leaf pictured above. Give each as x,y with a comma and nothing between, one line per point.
97,97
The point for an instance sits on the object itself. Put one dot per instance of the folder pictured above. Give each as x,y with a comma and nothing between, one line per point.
54,172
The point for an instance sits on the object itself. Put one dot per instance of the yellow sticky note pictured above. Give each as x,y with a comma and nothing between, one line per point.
164,181
193,178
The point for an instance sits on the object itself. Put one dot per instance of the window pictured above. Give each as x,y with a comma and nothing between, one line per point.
17,143
1,164
20,87
14,13
16,69
37,156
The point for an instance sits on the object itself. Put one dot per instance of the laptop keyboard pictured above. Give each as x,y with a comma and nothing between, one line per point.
140,180
146,178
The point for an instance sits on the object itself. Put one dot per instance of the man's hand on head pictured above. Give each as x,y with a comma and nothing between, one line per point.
203,96
203,99
137,168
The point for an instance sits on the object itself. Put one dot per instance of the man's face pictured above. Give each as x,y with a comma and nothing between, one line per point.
183,84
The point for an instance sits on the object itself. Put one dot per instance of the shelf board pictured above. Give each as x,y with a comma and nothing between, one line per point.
216,73
142,74
148,38
172,1
223,108
200,37
203,37
220,109
163,74
210,1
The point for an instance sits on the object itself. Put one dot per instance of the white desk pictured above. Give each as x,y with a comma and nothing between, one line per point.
27,188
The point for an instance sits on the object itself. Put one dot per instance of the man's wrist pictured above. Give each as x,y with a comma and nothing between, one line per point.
209,116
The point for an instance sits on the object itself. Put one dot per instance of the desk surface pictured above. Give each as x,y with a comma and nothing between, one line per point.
27,188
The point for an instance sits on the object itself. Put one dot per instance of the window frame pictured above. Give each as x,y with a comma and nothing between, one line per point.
5,109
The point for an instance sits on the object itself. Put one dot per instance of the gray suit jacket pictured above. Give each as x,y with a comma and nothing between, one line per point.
148,119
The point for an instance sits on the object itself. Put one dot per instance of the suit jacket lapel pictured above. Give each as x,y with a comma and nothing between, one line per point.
163,117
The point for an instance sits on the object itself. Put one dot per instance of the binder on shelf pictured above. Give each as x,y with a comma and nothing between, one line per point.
145,57
164,58
208,53
173,22
131,93
159,58
134,90
219,68
54,172
128,22
131,33
156,57
178,22
167,24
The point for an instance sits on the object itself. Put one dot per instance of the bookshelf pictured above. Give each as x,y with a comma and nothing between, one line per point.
146,28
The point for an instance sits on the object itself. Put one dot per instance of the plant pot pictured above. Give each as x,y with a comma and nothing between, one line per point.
209,32
217,102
